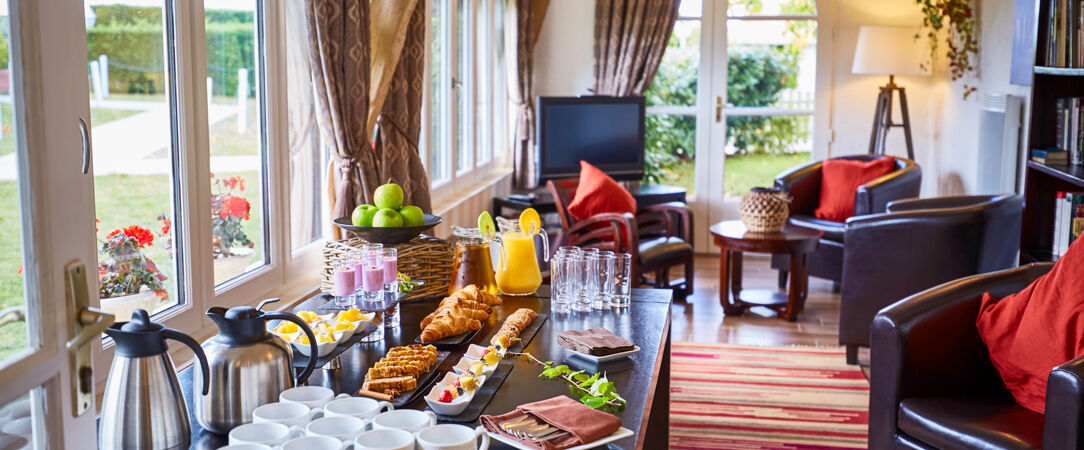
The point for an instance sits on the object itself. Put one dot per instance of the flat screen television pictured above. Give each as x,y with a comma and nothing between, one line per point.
607,132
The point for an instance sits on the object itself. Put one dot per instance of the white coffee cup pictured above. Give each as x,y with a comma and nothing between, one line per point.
289,414
314,443
452,437
343,428
263,433
360,407
311,396
405,419
246,447
386,439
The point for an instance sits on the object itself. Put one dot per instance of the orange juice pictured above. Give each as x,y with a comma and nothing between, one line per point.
517,269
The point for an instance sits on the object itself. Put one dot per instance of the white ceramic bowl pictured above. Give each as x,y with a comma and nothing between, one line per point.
346,334
453,407
465,362
323,349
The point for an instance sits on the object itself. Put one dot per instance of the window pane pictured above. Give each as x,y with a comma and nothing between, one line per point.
771,7
501,131
772,63
484,79
13,333
134,160
670,153
760,147
17,419
675,81
690,8
438,147
463,147
306,149
238,223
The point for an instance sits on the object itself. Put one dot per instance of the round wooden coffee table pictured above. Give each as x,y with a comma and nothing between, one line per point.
733,238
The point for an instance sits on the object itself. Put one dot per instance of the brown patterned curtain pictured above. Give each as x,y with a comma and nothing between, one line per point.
630,38
339,59
523,20
399,124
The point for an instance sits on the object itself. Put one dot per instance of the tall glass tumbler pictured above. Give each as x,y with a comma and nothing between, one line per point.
359,256
373,275
588,284
604,279
390,264
622,280
343,289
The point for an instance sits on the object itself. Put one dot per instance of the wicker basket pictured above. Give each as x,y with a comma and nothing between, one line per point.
764,210
423,258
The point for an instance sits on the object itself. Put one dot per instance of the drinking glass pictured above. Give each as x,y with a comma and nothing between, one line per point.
390,263
622,280
359,257
343,289
557,282
589,283
604,279
378,334
373,274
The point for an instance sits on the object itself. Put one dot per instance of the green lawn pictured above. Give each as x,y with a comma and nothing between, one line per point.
742,172
97,116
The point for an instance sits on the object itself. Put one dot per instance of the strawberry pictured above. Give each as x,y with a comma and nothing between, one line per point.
445,397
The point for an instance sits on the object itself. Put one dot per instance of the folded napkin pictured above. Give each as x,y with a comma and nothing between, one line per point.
584,424
596,341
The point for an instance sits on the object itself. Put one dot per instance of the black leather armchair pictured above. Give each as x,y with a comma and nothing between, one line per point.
804,185
919,244
933,386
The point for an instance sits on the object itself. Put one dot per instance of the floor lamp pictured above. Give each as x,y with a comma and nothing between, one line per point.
889,51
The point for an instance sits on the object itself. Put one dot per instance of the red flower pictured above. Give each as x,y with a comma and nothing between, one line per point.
96,221
165,227
233,206
142,235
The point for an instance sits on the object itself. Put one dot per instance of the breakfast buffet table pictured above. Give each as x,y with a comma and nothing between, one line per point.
643,378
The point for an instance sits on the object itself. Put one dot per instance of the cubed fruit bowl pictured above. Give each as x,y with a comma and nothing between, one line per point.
388,235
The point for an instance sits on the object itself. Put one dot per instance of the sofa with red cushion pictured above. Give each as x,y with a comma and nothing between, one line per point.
933,385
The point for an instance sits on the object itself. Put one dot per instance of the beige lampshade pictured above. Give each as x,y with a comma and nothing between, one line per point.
889,51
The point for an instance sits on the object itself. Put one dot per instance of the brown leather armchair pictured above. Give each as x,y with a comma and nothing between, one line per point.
659,237
933,386
919,244
804,185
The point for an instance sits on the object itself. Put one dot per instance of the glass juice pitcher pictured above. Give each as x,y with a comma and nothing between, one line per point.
518,272
473,263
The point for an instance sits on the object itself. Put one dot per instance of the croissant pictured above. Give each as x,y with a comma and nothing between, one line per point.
515,324
448,325
476,314
453,300
473,293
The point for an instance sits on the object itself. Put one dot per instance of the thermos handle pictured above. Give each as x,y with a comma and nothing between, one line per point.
313,350
185,339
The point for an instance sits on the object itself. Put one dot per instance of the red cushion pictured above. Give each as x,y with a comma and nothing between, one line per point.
597,193
840,179
1031,332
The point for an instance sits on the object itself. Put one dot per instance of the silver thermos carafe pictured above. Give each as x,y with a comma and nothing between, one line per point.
144,407
249,366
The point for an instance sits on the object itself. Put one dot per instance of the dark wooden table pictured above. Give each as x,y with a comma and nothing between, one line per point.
643,379
733,238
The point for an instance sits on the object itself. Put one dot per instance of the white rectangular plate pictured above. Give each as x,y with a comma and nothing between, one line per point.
601,359
621,433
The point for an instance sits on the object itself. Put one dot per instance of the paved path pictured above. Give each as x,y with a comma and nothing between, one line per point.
135,144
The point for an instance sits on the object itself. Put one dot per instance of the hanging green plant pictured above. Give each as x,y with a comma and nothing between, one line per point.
962,46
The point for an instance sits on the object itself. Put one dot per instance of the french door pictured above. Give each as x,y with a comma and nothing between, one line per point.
732,104
47,253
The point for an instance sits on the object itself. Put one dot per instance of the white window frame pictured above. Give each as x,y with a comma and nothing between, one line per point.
290,275
483,136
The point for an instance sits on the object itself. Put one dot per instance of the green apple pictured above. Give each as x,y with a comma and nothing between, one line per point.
363,215
412,216
387,217
388,196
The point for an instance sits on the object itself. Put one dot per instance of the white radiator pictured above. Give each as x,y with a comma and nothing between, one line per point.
1000,157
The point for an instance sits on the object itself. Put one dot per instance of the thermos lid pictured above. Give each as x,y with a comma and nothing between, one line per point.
139,337
141,321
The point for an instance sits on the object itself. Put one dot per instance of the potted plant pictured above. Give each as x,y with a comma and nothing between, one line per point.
232,247
128,279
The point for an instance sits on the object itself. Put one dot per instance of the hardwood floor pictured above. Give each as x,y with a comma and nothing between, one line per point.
700,318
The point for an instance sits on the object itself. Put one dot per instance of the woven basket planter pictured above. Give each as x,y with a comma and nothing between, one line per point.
764,210
424,258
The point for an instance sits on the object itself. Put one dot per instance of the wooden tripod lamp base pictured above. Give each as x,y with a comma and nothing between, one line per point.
882,119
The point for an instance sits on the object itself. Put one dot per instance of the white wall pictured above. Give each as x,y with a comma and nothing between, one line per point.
944,126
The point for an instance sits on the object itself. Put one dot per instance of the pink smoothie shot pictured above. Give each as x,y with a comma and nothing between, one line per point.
359,275
374,278
345,282
391,270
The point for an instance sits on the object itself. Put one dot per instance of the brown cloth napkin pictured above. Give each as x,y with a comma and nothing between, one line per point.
596,341
585,424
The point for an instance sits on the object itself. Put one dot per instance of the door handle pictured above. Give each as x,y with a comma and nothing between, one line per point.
86,325
84,131
718,109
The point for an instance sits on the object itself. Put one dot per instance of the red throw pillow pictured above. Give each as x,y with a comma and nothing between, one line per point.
1031,332
597,193
840,179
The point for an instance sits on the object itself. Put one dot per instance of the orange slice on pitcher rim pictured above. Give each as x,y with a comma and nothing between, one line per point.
529,221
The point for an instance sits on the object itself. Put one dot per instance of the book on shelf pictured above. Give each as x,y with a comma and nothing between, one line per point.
1065,34
1050,156
1068,130
1068,221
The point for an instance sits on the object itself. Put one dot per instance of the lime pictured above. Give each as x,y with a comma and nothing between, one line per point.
529,221
485,225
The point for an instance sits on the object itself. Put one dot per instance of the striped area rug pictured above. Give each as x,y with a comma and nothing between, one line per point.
739,397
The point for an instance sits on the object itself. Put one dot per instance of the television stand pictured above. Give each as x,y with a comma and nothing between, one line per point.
542,201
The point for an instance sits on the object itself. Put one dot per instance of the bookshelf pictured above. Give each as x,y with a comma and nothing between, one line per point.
1042,181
